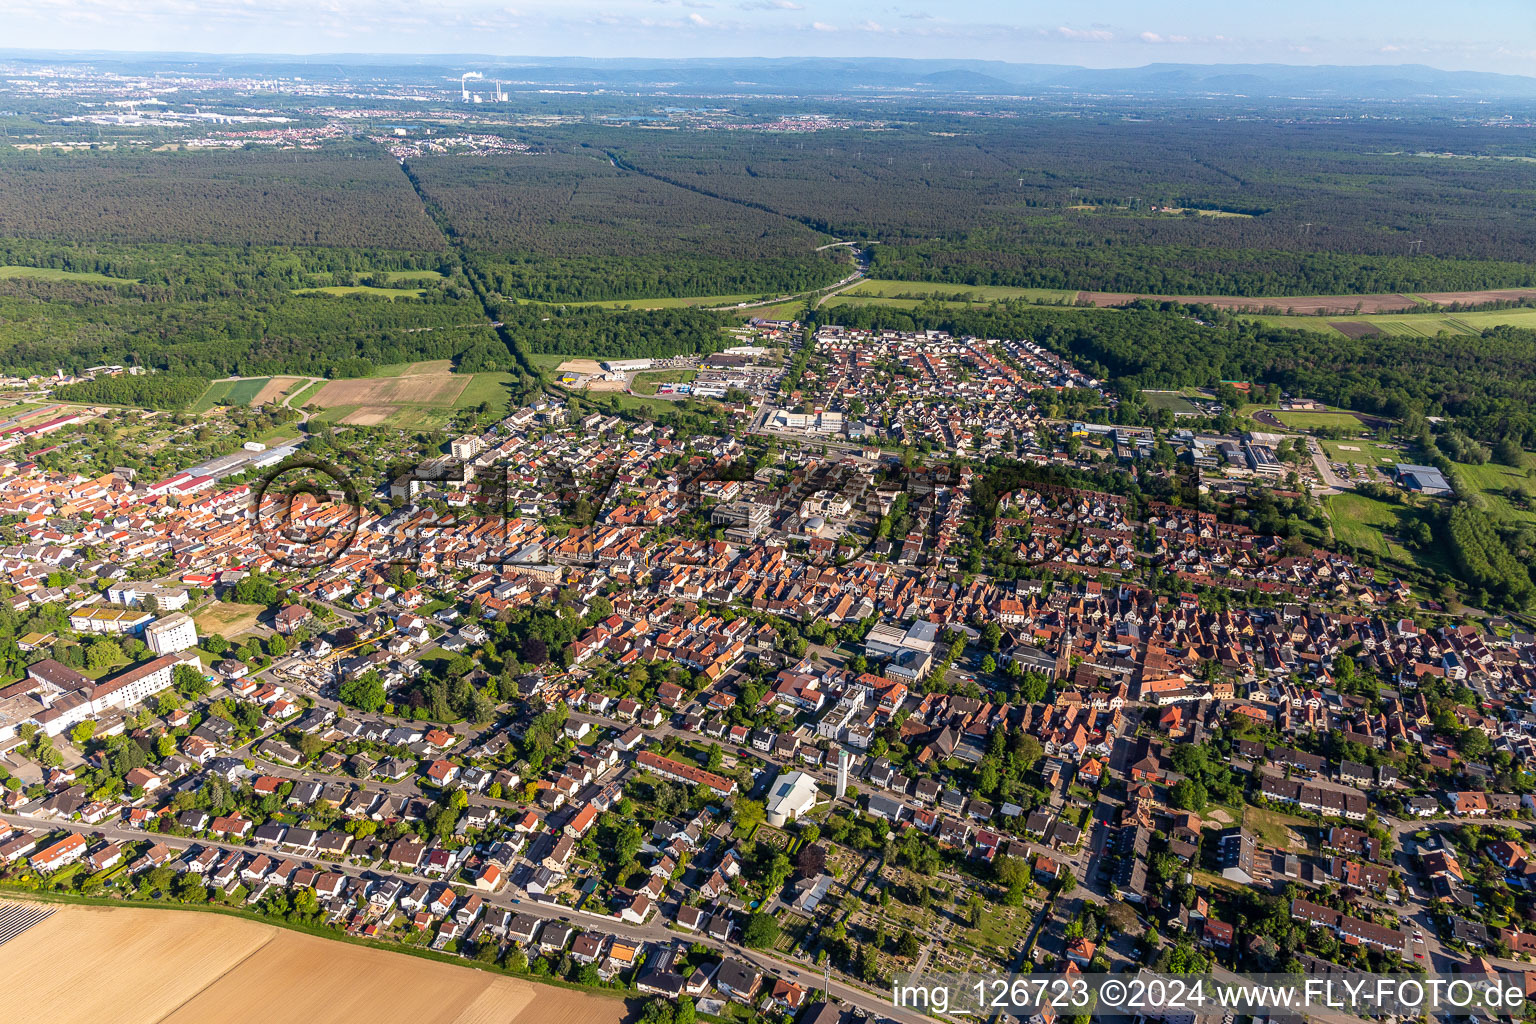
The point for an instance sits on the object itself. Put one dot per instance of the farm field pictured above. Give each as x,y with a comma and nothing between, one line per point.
53,274
230,392
137,966
410,369
275,389
302,396
1424,325
1292,304
441,389
887,288
227,619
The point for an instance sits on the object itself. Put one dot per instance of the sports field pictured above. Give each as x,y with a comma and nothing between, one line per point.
132,965
1361,452
1298,420
1171,400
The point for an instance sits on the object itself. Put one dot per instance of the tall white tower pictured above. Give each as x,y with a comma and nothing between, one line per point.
842,771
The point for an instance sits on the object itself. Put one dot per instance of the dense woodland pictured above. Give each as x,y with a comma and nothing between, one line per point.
571,226
1074,202
339,196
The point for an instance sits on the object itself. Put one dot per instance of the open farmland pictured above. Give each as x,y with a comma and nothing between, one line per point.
881,288
1422,325
414,389
137,966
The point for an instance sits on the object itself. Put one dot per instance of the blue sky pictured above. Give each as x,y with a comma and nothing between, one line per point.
1485,35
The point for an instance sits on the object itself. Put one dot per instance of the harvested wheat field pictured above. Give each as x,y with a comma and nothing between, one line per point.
134,965
416,389
274,389
368,416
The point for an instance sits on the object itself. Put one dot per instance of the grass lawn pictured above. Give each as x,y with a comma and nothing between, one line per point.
550,360
227,619
493,388
52,274
886,288
1510,493
1366,523
783,311
1273,827
363,289
413,275
1308,420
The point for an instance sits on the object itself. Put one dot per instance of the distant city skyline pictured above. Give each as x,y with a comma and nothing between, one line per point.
1488,35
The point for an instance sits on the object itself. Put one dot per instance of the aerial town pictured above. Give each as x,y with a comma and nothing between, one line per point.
768,716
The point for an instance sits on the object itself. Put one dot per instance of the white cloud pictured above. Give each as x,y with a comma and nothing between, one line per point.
821,26
1092,35
698,19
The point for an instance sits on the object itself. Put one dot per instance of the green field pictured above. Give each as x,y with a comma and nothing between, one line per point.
1369,454
304,394
1171,400
1365,523
885,288
1308,420
51,274
675,302
1511,494
413,275
363,289
1423,325
550,360
229,392
216,391
485,387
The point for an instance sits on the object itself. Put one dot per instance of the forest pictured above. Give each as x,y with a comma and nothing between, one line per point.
572,226
1163,205
338,196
